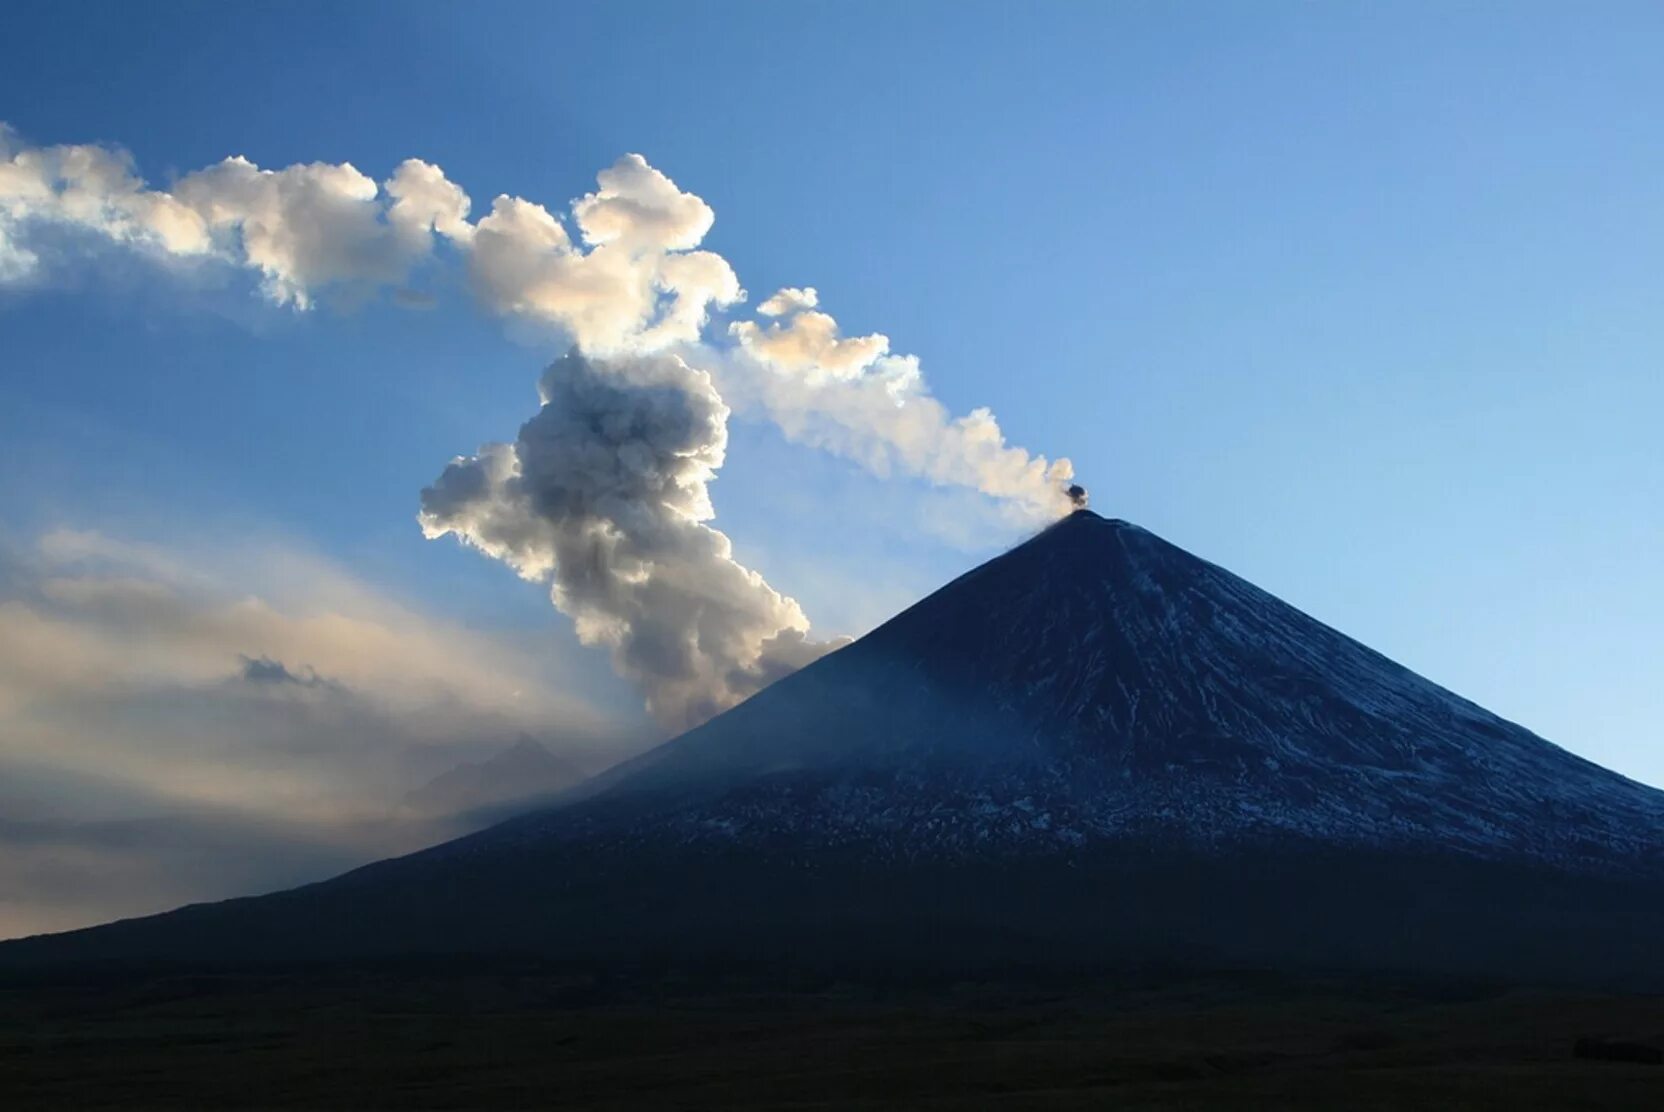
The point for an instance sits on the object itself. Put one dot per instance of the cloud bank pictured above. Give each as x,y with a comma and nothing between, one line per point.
605,491
180,724
263,678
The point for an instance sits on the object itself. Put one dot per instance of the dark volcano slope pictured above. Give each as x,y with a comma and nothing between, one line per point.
1095,749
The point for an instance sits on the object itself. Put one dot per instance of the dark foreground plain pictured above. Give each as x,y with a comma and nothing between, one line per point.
525,1037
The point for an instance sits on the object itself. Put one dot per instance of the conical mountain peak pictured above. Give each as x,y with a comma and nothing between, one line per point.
1095,741
1123,686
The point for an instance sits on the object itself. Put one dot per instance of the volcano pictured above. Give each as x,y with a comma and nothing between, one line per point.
1093,750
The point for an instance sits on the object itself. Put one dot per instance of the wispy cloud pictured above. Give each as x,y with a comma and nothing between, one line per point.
257,694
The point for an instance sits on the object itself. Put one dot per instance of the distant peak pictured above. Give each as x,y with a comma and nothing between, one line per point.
525,743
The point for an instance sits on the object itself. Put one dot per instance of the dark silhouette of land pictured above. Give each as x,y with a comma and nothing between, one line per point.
1098,823
521,1036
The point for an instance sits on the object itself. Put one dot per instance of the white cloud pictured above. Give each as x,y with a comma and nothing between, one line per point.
808,344
304,229
789,300
639,287
318,225
89,188
638,207
424,201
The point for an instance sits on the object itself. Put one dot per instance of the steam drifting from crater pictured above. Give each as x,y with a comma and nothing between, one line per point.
851,396
605,492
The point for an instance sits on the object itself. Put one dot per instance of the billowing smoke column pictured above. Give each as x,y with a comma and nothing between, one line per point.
604,494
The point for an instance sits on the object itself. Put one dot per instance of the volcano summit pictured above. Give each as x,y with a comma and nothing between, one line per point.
1095,749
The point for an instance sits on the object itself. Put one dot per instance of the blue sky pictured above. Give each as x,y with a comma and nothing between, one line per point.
1360,301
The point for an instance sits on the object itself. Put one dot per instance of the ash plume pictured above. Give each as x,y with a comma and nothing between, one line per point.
639,286
301,229
604,495
633,278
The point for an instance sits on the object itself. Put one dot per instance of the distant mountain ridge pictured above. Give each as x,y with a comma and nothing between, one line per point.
1094,749
514,778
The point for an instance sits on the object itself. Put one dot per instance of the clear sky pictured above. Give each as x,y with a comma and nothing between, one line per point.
1360,301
